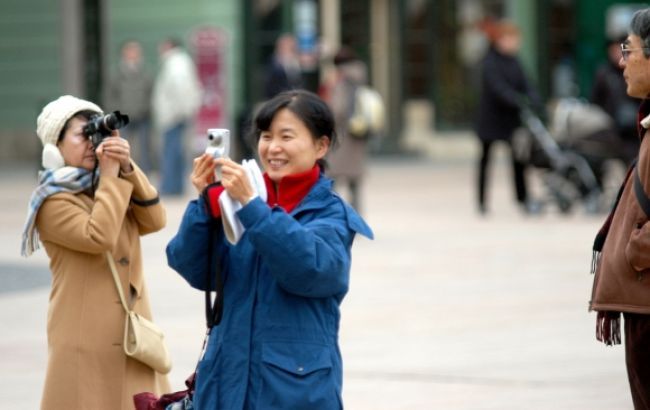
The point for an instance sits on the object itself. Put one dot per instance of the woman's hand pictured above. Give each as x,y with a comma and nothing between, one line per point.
203,169
234,179
115,148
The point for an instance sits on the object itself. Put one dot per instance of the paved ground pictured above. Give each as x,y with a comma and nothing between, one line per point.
447,310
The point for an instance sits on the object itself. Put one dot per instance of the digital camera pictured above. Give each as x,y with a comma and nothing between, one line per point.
101,126
218,142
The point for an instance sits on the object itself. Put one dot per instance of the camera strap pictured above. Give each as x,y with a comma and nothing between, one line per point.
213,310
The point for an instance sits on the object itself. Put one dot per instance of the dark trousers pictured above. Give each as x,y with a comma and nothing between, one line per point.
353,184
637,358
518,169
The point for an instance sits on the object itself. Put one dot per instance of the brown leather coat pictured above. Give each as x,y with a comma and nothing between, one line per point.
87,367
622,281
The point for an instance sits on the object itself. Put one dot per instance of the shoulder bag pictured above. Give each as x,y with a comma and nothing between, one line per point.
143,339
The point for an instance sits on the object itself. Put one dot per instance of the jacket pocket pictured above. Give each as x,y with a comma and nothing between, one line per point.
297,376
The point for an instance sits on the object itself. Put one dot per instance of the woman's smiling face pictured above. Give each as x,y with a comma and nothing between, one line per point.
288,146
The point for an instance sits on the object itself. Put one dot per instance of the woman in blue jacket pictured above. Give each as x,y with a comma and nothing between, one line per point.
277,344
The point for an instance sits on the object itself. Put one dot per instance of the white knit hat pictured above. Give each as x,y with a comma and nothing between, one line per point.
56,113
51,121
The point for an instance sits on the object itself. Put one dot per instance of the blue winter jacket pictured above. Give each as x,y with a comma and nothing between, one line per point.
277,344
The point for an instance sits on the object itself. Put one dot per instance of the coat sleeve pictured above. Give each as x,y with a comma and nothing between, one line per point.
637,250
311,259
188,252
146,206
64,220
494,81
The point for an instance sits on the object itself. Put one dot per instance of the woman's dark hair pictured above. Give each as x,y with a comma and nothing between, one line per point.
85,114
305,105
640,27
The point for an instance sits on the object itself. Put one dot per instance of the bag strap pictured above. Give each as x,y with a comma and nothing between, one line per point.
118,285
639,192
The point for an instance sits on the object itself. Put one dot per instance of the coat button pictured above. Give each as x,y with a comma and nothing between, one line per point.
123,261
301,369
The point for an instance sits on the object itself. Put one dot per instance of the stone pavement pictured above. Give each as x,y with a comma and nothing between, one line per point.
446,310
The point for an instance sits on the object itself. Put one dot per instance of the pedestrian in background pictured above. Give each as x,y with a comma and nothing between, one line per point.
610,93
347,163
175,102
79,215
504,89
285,278
622,246
284,72
129,91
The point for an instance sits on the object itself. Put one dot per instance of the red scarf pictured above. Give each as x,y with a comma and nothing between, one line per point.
286,194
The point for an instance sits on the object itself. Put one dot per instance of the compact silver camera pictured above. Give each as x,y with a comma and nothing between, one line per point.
218,142
218,145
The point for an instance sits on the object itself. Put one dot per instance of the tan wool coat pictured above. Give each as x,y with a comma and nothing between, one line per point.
622,281
87,367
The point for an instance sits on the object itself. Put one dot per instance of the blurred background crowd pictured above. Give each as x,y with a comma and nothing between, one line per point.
421,55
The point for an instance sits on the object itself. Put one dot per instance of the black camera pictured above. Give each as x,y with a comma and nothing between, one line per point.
101,126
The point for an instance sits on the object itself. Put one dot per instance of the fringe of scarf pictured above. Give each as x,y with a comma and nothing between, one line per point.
608,328
608,324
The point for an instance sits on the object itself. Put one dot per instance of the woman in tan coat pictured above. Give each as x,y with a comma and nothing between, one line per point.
78,215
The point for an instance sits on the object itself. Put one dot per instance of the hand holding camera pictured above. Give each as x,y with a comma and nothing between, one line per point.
205,170
109,151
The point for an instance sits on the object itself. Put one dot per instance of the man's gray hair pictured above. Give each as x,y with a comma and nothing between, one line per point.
640,27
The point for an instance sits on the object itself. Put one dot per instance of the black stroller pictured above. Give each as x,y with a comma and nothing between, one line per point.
573,161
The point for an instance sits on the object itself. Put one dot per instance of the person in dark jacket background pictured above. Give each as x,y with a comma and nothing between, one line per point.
610,93
504,88
285,277
129,91
284,71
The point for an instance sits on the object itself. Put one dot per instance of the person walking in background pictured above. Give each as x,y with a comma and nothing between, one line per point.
610,93
176,100
348,161
80,215
622,246
284,72
129,91
285,277
504,88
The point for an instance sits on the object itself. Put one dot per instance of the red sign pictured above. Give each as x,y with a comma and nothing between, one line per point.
210,45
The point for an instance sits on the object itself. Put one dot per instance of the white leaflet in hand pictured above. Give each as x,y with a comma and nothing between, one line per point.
232,226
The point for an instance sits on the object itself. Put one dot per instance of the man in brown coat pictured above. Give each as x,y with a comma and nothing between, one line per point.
622,247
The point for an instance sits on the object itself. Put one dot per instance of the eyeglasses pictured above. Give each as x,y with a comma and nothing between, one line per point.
626,51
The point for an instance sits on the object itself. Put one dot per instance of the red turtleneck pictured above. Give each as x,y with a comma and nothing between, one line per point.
286,194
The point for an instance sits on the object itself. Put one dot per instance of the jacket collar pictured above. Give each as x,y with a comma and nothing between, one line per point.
308,191
643,117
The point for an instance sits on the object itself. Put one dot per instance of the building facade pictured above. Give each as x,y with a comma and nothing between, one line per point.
423,55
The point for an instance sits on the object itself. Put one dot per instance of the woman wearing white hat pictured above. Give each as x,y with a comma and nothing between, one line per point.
90,201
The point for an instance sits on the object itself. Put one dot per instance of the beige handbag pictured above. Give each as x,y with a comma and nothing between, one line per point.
143,340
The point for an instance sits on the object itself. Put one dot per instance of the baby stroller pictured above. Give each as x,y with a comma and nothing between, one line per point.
569,177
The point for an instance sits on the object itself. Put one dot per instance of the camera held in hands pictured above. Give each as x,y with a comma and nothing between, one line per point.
101,126
218,142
